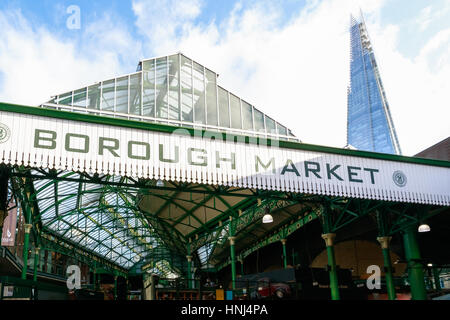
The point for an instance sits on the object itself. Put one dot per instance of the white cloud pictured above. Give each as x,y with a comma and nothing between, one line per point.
160,20
431,14
37,64
425,17
417,88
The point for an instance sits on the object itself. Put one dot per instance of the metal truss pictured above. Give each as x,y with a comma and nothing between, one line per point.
121,222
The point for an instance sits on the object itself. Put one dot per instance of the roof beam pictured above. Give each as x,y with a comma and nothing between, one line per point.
165,235
67,245
277,235
213,222
126,226
191,211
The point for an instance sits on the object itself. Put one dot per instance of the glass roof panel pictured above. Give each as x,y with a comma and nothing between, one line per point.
99,218
176,89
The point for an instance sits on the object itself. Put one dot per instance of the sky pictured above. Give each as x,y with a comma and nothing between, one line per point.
289,58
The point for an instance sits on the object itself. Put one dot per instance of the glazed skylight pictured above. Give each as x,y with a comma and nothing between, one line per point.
173,90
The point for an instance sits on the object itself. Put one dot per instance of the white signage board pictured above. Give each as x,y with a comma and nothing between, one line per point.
44,142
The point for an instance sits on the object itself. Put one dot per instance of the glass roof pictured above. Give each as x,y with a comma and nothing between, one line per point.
97,217
141,225
162,267
172,90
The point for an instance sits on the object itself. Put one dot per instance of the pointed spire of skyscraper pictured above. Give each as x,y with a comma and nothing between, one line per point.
369,122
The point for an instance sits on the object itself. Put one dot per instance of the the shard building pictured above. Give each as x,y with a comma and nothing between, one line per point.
369,122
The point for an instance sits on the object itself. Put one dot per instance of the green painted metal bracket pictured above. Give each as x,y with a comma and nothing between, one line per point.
277,236
53,242
405,220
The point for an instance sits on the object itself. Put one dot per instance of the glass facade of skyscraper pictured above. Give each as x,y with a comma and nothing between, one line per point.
369,123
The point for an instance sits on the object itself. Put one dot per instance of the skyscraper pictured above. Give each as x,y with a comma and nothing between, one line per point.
369,122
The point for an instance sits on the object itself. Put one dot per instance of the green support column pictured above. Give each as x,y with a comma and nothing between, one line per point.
4,172
115,287
415,267
189,264
49,261
384,242
437,281
3,216
95,276
28,215
232,239
383,227
127,287
36,262
241,261
334,285
283,242
41,259
189,272
233,262
428,281
25,250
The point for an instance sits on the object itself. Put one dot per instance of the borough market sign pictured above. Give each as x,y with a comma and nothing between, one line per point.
39,140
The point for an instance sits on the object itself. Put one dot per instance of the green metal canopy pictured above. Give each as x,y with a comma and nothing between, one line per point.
142,224
129,222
